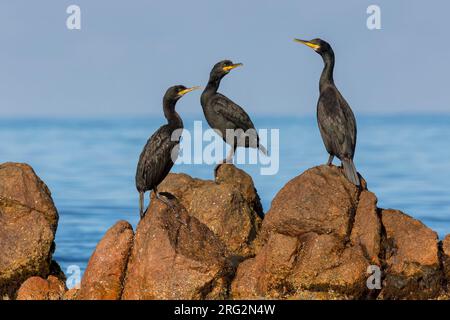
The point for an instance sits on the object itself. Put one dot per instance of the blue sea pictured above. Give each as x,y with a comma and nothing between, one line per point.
89,166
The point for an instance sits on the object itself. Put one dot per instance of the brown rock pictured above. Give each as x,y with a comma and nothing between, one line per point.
446,259
229,207
229,174
305,249
246,282
265,275
36,288
288,267
28,220
320,200
104,275
367,227
71,294
413,267
19,183
176,258
319,295
324,263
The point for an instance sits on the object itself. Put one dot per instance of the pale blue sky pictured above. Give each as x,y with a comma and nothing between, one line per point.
129,52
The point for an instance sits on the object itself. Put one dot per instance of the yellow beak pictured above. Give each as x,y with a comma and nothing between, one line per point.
228,68
183,92
309,44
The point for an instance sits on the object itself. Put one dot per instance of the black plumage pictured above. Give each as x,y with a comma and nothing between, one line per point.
161,150
337,123
222,114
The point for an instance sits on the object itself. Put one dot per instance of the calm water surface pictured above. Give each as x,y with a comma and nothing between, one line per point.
89,166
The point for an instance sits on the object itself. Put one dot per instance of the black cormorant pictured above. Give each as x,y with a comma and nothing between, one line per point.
159,153
337,123
224,115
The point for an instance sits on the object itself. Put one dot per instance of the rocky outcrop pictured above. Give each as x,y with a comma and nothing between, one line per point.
445,245
190,251
413,267
312,218
176,258
367,228
28,221
104,275
229,206
321,237
71,294
320,200
37,288
20,184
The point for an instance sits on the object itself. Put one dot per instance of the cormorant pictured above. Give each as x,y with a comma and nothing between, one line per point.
156,159
336,121
224,115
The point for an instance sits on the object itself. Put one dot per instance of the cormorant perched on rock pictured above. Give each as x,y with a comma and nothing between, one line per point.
224,115
159,153
337,123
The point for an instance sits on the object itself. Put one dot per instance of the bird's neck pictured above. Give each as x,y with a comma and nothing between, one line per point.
327,74
211,87
173,118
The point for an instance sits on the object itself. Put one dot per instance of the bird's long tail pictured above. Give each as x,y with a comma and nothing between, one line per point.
141,204
263,149
350,171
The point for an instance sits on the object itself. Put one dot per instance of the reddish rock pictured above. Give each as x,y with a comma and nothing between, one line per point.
229,174
28,220
324,263
413,266
176,258
446,259
320,200
316,242
304,248
71,294
319,295
19,183
104,275
367,227
37,288
288,267
265,275
229,207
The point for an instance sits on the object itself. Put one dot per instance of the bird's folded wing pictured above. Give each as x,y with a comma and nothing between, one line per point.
232,113
350,121
331,117
157,155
